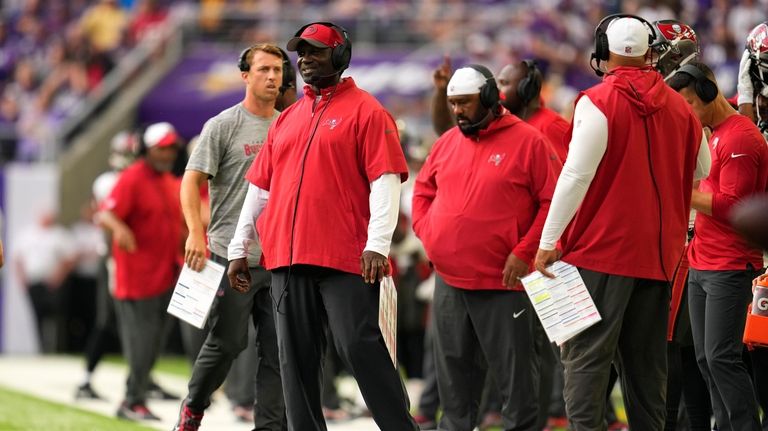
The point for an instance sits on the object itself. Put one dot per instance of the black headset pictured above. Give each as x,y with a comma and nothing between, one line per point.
704,87
489,92
289,73
529,87
242,62
340,55
602,50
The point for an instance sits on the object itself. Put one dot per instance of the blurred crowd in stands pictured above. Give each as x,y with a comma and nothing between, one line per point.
53,55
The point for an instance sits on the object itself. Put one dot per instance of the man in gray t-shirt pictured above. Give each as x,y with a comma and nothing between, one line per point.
224,152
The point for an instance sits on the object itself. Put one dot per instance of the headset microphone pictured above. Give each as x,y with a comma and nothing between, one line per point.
473,128
314,79
598,72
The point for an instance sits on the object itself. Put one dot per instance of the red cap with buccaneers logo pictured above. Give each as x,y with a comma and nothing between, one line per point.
317,35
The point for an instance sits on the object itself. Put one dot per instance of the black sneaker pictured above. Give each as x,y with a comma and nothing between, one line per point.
85,391
136,412
155,392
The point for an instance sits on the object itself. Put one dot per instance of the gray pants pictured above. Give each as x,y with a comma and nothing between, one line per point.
307,301
632,333
718,309
497,325
143,324
239,384
228,336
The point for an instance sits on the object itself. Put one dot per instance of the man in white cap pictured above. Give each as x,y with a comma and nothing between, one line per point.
143,215
624,195
479,204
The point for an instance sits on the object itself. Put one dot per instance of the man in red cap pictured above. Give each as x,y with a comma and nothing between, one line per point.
325,189
143,215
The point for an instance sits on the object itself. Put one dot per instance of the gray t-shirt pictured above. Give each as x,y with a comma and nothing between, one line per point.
227,146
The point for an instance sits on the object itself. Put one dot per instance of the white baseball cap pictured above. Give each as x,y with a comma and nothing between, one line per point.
465,81
160,135
627,37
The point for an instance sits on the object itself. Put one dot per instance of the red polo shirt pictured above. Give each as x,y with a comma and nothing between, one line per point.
554,127
739,169
333,147
148,203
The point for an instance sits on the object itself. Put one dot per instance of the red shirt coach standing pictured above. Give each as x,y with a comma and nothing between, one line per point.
143,214
722,264
624,195
328,183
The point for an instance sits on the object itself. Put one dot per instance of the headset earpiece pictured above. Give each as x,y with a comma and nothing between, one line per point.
489,92
289,73
601,43
602,51
529,87
703,86
340,55
242,62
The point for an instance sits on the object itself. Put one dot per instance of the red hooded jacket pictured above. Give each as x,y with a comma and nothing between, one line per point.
634,217
476,200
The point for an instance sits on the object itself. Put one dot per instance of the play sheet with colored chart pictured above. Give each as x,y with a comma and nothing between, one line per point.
563,303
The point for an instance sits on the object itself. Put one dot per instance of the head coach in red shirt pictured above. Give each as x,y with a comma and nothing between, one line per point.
325,190
624,196
722,264
479,204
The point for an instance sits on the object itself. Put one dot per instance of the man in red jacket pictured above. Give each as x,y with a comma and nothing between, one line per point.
479,203
630,168
328,182
722,264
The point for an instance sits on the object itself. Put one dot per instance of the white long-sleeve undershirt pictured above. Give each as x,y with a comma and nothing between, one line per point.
384,205
588,144
245,231
585,152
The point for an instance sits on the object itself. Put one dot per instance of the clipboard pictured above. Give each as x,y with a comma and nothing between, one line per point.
388,316
563,304
194,293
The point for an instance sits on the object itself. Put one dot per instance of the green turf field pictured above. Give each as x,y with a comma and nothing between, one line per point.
19,412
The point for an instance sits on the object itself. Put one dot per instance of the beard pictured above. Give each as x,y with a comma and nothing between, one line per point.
472,127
